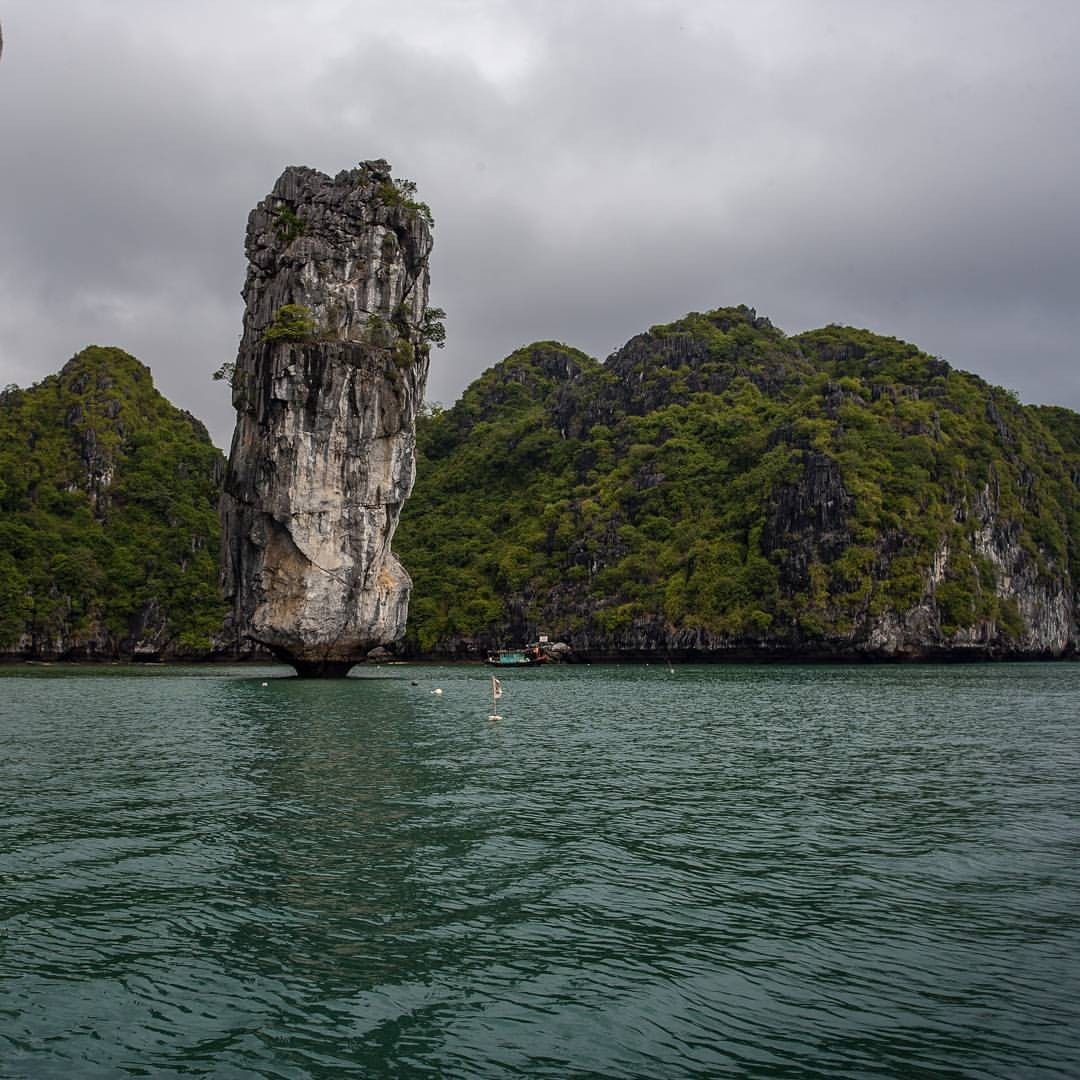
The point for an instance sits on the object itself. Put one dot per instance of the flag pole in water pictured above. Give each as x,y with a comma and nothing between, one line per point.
496,693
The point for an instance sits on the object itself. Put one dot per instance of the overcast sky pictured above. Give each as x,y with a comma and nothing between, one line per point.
593,166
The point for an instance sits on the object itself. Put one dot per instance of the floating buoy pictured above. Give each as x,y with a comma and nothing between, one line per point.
437,692
266,684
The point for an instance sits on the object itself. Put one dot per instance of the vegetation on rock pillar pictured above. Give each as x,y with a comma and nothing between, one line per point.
402,192
433,328
289,224
292,322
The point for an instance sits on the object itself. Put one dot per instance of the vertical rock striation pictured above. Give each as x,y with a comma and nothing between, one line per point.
328,380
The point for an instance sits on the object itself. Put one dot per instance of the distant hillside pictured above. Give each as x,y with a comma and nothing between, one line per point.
716,489
108,517
720,489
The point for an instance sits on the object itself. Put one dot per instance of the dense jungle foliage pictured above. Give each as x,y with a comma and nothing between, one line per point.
718,482
108,514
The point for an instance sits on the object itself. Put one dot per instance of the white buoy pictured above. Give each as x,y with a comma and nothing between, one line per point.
437,692
266,684
496,693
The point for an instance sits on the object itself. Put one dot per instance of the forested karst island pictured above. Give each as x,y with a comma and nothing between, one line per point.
716,489
719,489
109,532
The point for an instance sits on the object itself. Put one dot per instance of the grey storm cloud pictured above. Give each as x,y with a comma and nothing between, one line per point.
593,167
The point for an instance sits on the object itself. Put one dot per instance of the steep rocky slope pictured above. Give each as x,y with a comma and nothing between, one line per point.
108,517
330,373
718,489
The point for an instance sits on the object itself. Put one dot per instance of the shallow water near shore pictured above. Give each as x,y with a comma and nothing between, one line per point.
637,872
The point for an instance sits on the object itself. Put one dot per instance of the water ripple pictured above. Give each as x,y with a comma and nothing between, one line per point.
774,872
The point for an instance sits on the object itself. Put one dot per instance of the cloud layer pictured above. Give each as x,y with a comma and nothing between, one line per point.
594,167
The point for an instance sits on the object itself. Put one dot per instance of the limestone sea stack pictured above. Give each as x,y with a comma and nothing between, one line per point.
328,380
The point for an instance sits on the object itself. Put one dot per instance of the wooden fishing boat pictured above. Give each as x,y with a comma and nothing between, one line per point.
511,658
527,657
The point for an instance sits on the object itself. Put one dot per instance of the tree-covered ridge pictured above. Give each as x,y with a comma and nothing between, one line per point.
108,515
718,485
715,487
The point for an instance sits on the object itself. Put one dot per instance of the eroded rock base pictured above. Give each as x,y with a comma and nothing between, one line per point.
320,669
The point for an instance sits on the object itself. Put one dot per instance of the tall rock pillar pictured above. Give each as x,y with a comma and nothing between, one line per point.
328,380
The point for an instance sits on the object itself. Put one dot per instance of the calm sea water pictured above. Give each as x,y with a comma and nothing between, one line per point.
723,871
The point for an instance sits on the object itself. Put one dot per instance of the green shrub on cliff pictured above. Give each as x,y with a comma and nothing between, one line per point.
402,192
292,322
433,329
289,224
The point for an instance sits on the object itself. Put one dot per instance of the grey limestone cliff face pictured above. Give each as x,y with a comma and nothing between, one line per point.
323,454
1044,602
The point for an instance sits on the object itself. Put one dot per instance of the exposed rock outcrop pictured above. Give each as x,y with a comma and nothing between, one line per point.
328,380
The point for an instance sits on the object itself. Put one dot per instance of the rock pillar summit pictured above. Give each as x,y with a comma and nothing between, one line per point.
328,380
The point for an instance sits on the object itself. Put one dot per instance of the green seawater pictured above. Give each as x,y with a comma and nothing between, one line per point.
637,872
